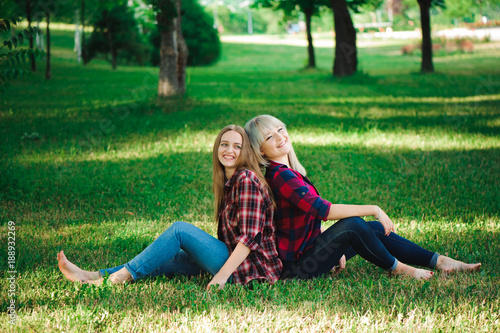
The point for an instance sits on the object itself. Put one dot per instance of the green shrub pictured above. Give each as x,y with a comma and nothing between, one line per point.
117,27
201,38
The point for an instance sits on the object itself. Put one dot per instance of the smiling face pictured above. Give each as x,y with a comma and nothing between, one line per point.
229,151
276,145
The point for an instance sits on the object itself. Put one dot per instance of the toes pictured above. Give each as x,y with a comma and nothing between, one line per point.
476,268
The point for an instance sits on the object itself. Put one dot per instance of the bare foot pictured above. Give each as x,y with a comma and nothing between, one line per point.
448,265
73,272
417,273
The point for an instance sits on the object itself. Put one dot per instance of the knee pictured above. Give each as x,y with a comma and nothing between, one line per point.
178,225
355,223
175,229
376,226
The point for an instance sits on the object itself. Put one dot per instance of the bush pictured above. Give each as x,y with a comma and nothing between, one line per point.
201,38
117,27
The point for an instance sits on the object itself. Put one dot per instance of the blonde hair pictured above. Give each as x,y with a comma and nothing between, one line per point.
246,160
257,130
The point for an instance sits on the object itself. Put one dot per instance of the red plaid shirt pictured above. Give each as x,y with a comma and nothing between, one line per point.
246,216
299,210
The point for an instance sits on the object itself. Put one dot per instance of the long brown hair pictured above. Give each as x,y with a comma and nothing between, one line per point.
246,160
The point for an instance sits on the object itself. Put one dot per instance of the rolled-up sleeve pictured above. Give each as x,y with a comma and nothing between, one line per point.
251,213
288,185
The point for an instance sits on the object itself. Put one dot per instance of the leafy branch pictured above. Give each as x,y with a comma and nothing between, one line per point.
15,58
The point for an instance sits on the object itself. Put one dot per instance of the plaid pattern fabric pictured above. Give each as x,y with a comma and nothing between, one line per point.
299,210
246,216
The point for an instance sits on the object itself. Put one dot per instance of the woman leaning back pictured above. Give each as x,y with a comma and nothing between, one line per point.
308,251
245,249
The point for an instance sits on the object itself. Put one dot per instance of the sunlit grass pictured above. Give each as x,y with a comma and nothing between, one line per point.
91,164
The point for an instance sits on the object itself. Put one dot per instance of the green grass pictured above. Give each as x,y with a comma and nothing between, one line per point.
91,164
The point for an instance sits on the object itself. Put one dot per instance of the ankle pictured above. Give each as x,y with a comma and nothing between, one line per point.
121,276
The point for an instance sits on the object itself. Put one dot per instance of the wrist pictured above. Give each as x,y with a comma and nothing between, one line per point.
378,212
221,275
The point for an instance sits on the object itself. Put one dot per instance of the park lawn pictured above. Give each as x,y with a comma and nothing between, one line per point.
93,165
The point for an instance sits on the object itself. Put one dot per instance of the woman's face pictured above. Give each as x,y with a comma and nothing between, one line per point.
229,150
276,144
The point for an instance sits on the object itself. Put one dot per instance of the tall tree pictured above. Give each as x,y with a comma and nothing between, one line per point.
83,40
309,8
116,33
346,53
48,72
87,10
50,10
425,22
27,9
173,48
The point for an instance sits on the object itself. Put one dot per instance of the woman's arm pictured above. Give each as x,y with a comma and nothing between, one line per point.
294,189
235,259
338,211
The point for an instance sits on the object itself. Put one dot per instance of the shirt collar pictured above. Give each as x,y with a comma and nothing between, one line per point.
232,180
276,165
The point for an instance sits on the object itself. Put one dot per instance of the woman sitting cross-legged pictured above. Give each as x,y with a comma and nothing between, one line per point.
245,249
305,250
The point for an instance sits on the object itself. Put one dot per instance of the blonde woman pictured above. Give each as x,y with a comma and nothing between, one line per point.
245,249
305,250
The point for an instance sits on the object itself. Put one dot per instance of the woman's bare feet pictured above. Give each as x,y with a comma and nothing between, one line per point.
448,265
417,273
75,273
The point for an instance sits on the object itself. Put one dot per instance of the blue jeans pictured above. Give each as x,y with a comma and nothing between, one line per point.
401,248
353,236
181,249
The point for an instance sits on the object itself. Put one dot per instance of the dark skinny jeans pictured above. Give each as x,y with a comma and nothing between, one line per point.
351,236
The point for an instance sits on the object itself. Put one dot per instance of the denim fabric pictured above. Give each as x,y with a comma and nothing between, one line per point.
181,249
401,248
329,247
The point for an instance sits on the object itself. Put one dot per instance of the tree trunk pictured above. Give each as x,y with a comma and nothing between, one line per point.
85,53
48,73
182,50
112,49
310,47
425,20
168,84
30,36
346,58
173,55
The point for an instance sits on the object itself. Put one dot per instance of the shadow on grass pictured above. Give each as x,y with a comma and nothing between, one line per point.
174,184
475,118
459,185
123,124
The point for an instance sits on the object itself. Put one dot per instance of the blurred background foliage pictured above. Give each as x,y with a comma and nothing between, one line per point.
135,38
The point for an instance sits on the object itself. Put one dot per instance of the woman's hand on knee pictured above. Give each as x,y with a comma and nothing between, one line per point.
386,222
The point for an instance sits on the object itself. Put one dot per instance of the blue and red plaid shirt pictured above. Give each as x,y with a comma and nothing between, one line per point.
299,210
246,216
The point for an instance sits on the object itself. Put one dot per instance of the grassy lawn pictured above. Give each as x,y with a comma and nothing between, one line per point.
92,165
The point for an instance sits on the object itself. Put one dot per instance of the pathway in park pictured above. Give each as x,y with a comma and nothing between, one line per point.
326,39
